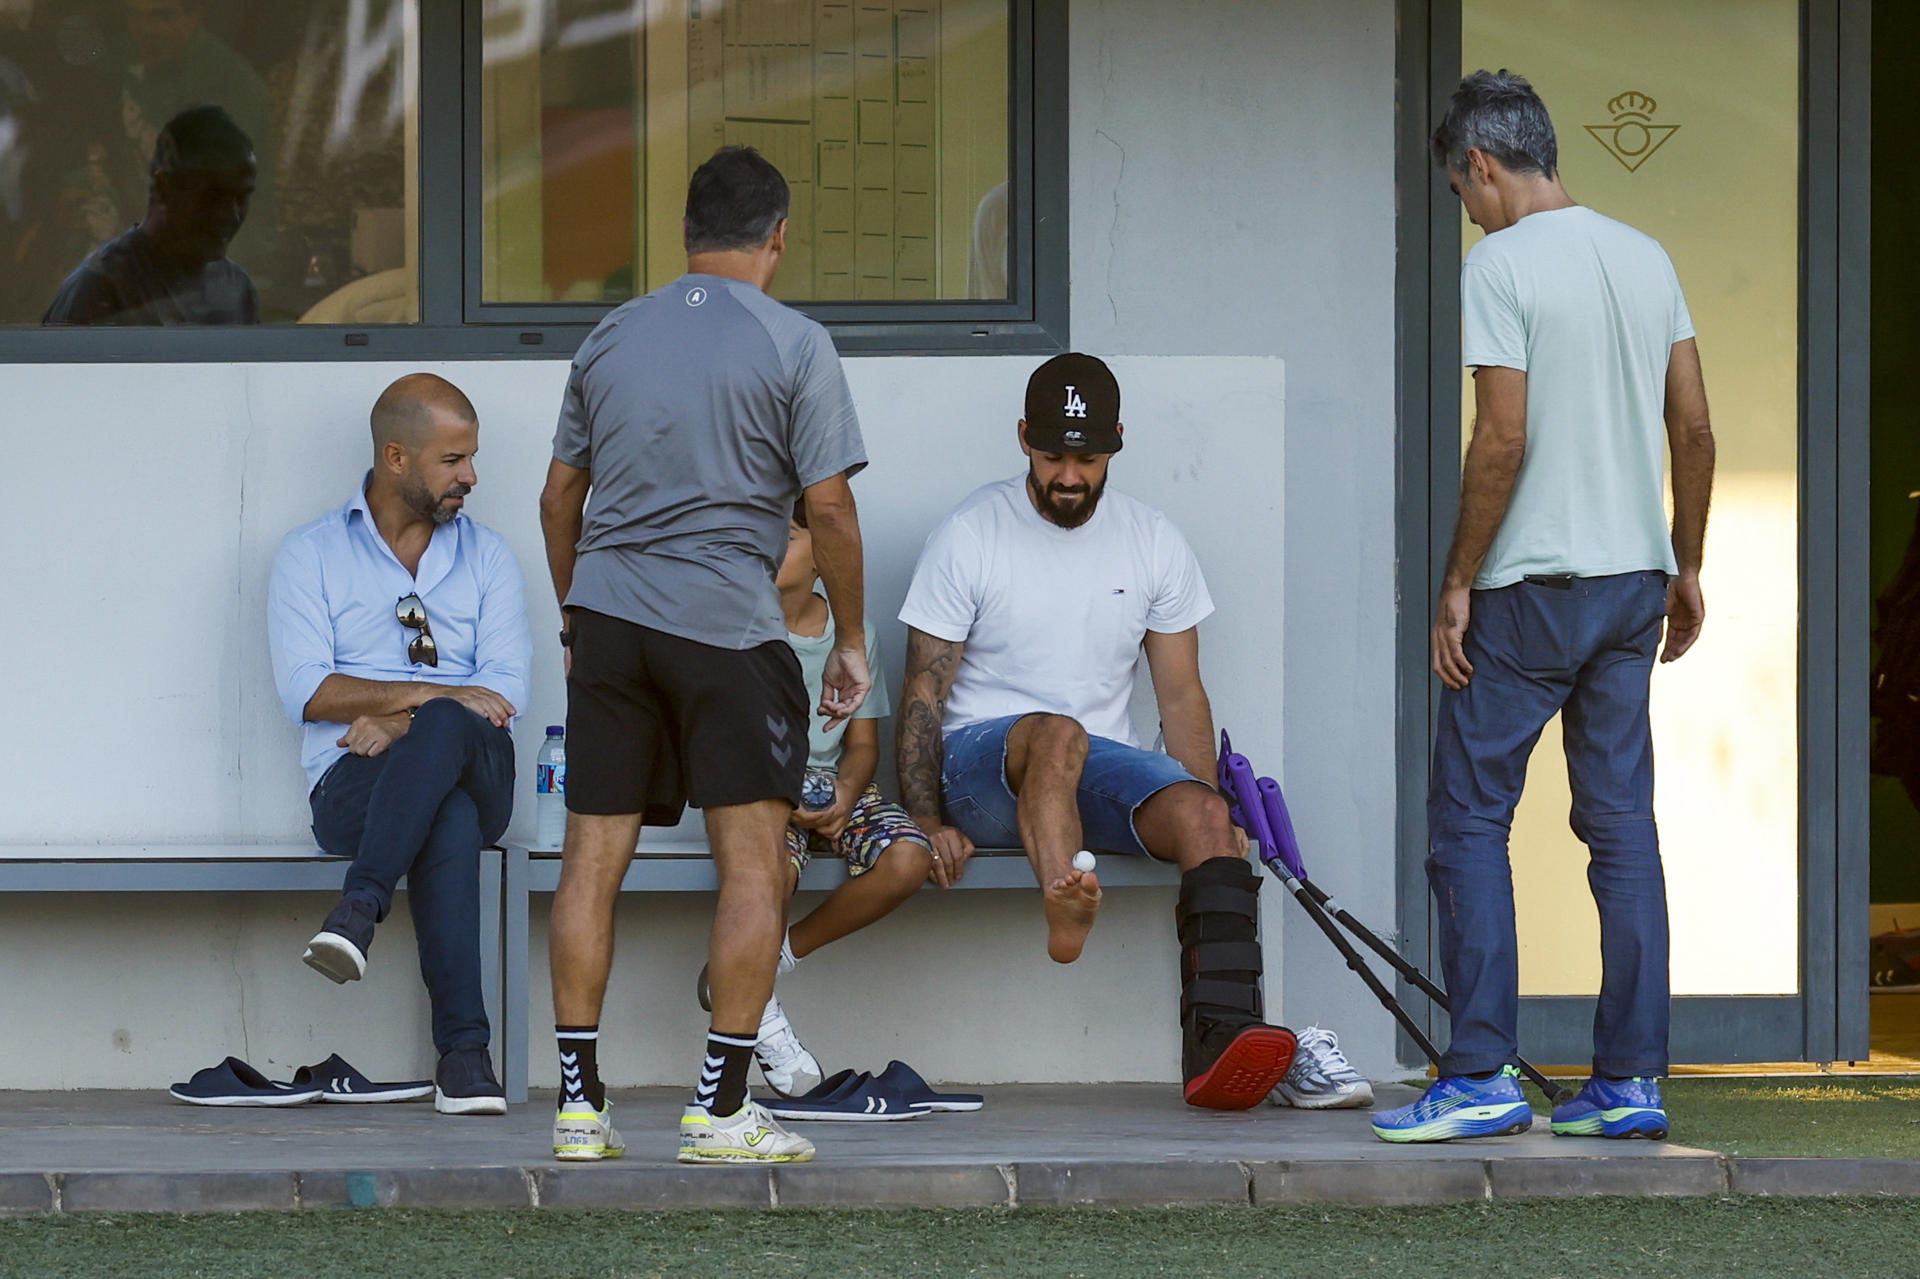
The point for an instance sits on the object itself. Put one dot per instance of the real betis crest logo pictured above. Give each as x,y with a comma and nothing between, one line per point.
1633,137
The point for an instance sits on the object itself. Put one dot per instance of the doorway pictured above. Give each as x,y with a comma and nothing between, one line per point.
1716,127
1894,958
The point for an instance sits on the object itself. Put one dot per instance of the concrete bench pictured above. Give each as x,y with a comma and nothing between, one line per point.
242,868
687,867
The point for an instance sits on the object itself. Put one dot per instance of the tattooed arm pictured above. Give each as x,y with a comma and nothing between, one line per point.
931,665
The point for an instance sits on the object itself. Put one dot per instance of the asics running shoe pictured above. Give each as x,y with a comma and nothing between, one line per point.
1459,1106
1613,1108
1320,1077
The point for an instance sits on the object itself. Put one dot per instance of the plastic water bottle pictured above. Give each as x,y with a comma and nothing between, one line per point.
816,791
550,787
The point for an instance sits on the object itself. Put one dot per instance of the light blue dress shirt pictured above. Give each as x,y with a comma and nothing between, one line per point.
330,609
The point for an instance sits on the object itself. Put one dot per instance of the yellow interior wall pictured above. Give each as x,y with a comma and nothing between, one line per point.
1721,193
887,117
512,208
973,126
410,157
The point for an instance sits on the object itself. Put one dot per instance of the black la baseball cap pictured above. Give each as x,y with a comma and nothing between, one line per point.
1073,406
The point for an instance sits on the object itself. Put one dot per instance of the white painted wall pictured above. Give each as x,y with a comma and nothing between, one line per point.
1248,229
1234,194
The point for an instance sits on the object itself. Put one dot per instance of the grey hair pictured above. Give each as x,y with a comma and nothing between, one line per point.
1499,113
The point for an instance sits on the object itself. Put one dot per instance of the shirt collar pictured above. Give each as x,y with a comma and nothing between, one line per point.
359,502
441,548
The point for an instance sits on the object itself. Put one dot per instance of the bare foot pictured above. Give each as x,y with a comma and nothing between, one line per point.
1070,903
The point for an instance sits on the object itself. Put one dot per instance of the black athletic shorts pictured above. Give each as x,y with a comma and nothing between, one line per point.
655,722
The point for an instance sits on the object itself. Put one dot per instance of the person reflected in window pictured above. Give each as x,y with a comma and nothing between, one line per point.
176,63
173,267
987,253
59,126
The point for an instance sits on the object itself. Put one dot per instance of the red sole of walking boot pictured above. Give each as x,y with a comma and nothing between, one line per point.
1246,1072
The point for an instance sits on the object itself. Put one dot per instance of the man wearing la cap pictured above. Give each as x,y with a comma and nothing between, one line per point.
1026,615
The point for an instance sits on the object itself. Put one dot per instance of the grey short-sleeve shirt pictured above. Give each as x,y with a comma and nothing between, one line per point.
702,410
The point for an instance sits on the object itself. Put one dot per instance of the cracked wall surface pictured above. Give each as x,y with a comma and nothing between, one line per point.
1234,195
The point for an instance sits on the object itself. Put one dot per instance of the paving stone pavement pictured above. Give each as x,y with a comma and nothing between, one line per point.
1112,1145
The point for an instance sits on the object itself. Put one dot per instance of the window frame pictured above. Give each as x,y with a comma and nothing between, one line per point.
454,324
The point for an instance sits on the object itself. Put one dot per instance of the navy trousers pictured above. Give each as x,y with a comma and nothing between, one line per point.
1584,649
424,809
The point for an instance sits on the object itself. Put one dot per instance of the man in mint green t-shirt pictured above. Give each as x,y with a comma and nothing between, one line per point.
1562,569
842,814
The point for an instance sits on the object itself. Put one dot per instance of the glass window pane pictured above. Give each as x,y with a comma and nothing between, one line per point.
124,201
1662,110
889,119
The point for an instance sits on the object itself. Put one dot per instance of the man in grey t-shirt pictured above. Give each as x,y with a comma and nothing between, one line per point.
694,418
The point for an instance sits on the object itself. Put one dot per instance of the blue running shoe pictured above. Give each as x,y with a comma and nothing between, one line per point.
1613,1108
1459,1106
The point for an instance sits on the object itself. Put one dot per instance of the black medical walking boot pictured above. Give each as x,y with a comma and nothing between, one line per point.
1230,1059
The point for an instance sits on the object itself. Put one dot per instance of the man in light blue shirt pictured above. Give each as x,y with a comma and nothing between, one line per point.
1562,570
400,644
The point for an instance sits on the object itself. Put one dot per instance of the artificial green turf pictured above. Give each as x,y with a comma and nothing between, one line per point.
1832,1115
1538,1239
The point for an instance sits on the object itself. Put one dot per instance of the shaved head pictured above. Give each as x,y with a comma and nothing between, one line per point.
405,411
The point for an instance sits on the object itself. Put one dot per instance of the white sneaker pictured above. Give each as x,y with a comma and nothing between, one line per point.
582,1133
749,1136
1320,1078
785,1064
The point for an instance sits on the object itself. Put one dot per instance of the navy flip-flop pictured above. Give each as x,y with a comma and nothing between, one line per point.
902,1081
855,1099
234,1083
340,1082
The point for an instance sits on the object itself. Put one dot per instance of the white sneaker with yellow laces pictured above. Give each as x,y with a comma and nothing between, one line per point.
584,1134
748,1136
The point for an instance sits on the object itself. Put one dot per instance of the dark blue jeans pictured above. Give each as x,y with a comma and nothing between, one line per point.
424,809
1586,651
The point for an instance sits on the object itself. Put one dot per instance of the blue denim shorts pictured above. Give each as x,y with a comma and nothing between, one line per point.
1116,780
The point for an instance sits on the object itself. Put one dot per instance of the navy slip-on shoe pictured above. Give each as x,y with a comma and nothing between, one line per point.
340,1082
338,951
464,1084
234,1083
902,1080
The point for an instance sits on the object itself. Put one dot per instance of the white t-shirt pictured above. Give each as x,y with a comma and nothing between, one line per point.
1589,309
1052,618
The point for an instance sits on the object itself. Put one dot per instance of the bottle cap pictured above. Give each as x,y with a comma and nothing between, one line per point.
556,730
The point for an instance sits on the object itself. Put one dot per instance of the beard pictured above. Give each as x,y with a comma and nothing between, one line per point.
1066,505
422,501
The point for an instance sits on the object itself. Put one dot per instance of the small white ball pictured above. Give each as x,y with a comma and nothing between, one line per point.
1083,860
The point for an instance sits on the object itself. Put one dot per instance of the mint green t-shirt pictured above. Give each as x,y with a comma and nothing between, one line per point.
825,744
1589,309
